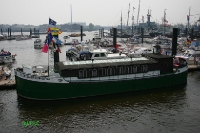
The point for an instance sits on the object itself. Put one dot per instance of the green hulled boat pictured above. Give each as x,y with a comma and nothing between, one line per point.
99,77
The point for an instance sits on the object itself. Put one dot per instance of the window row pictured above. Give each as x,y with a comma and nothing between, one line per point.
112,71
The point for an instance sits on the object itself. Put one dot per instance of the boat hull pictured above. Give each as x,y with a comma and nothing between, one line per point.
53,91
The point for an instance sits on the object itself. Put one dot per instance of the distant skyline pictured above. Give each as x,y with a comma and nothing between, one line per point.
103,12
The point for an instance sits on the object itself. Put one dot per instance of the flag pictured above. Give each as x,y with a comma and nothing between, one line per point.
58,49
57,41
188,17
117,46
45,48
48,40
52,22
55,31
60,31
188,41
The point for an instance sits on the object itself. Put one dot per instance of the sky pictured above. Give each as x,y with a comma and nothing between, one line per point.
97,12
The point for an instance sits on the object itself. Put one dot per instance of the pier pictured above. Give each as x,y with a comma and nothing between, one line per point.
7,83
193,68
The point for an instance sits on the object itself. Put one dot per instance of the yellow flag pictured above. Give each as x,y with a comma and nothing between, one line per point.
55,31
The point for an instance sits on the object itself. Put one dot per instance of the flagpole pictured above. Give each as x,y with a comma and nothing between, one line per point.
48,54
48,61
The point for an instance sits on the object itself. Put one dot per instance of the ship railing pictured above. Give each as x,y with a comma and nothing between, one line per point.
115,78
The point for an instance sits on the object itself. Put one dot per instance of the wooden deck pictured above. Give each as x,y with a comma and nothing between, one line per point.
7,83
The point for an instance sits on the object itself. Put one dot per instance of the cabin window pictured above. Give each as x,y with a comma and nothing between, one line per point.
81,74
96,55
129,69
120,70
134,69
105,72
103,55
144,68
125,69
111,73
100,72
85,72
94,73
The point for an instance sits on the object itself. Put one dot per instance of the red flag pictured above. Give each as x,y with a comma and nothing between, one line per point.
59,50
117,46
45,48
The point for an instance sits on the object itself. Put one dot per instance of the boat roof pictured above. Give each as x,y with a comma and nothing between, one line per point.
84,52
103,63
158,56
99,51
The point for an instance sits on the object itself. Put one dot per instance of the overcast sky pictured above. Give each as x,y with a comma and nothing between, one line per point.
97,12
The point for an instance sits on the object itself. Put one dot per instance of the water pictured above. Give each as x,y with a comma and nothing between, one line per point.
165,110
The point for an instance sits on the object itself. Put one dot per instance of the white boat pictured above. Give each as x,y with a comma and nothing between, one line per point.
6,57
164,42
66,37
71,42
138,51
87,52
192,52
38,44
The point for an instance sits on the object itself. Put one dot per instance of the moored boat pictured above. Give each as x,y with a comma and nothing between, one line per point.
192,52
6,57
99,77
38,44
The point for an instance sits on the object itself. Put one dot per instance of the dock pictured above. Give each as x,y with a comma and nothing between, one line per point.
7,83
193,68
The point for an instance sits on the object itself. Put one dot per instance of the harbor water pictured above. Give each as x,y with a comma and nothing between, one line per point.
174,109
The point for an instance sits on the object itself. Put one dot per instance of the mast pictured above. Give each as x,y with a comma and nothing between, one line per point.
148,19
128,15
71,13
138,12
132,21
121,23
164,20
